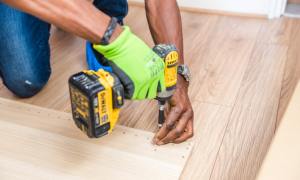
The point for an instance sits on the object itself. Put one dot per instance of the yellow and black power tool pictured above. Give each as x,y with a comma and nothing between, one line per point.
96,97
170,56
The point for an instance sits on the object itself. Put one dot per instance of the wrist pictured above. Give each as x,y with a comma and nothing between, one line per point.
182,83
116,33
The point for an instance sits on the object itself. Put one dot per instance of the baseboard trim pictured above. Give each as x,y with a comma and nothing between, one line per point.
209,11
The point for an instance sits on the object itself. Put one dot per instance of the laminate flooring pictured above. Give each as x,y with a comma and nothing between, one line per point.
38,143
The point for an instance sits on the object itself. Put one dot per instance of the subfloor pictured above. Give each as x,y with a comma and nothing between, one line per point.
244,72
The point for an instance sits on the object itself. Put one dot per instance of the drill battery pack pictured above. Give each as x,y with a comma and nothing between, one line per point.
96,98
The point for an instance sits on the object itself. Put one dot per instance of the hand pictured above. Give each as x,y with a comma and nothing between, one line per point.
178,126
140,70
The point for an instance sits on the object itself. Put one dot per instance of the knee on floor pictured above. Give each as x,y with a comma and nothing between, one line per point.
25,87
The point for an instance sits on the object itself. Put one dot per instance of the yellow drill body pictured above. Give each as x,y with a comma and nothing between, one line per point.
170,56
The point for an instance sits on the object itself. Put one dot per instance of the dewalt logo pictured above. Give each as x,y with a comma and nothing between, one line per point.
103,103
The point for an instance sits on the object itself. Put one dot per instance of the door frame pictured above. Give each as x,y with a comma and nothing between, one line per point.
277,8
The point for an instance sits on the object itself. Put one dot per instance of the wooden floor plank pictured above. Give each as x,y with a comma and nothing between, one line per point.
225,69
237,28
197,33
292,70
210,127
144,116
227,55
283,158
276,31
28,138
252,122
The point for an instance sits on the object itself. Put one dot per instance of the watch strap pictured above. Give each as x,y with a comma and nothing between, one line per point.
183,70
109,31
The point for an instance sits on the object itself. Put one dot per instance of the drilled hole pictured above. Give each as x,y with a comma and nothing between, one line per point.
182,157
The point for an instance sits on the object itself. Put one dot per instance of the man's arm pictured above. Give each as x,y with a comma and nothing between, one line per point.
165,26
165,23
79,17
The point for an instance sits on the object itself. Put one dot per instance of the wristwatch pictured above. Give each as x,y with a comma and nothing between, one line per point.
185,72
109,31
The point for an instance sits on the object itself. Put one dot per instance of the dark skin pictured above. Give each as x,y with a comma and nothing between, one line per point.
79,17
165,26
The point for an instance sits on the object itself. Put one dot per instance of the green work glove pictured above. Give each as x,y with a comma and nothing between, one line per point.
139,68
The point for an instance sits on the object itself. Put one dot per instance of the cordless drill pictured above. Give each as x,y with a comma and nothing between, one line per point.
170,55
96,97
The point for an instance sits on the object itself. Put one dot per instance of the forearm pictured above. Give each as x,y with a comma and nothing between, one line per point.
79,17
165,23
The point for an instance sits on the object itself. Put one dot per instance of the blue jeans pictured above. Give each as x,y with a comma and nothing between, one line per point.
24,47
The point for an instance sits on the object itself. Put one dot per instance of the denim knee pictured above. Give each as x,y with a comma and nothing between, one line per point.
25,86
113,8
24,52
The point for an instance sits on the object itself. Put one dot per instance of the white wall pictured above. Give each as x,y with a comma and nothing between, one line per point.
242,6
259,7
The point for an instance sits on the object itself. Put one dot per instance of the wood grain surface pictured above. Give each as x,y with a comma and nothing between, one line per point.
292,70
283,158
253,119
244,73
209,127
43,144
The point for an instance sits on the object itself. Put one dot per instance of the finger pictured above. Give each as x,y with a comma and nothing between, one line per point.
188,133
166,113
168,125
163,131
177,131
167,109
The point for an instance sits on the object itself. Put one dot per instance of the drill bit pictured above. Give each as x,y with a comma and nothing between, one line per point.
161,115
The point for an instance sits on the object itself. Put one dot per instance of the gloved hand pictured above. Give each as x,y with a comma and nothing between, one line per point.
140,70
